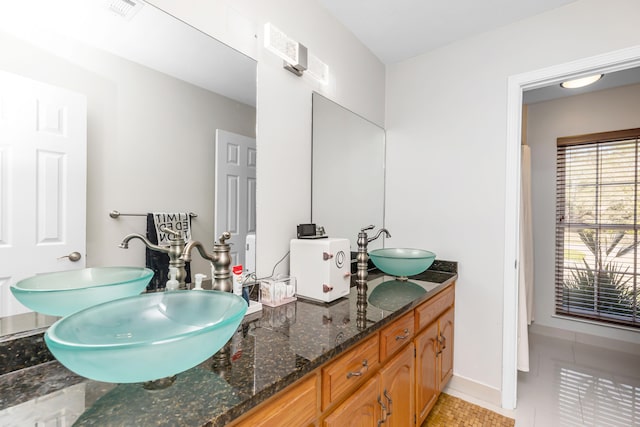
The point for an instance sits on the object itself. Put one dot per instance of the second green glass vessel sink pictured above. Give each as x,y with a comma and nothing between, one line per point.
402,262
65,292
146,337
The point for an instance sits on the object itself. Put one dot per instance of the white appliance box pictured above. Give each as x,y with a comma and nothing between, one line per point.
322,268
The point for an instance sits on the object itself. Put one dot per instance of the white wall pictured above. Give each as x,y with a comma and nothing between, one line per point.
446,132
602,111
284,100
150,142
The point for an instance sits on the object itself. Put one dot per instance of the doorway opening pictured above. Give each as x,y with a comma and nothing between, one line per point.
606,63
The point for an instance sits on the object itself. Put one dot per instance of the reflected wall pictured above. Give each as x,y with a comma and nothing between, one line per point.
348,171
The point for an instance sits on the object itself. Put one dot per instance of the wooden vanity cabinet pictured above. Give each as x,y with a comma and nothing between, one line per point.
392,378
386,399
434,362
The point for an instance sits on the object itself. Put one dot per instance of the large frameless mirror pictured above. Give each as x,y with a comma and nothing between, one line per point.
348,171
158,92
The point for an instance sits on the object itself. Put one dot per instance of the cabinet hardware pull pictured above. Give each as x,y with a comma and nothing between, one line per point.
390,402
365,367
384,412
443,341
403,337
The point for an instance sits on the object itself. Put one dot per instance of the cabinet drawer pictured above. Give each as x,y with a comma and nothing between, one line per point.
296,405
396,335
430,310
348,371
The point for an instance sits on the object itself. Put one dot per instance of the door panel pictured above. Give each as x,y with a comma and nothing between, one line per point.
446,339
235,190
426,371
42,181
397,379
360,410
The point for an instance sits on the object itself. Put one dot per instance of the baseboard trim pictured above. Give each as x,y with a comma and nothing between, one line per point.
583,338
478,394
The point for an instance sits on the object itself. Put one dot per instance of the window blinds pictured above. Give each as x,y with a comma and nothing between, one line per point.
596,273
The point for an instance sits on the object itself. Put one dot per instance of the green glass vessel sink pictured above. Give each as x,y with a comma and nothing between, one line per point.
401,262
145,337
392,295
65,292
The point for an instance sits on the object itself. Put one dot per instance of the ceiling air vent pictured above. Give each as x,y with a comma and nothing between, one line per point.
125,8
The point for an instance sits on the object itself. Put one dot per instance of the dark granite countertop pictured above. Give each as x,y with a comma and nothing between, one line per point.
270,350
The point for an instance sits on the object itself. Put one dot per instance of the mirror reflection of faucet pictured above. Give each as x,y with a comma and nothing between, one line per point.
174,250
180,253
220,258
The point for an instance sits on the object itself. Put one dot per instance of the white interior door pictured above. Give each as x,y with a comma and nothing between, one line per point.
43,138
235,190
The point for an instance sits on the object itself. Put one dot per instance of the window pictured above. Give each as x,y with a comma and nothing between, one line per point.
597,238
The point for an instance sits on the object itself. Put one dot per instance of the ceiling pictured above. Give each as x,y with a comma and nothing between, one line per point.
395,30
401,29
150,37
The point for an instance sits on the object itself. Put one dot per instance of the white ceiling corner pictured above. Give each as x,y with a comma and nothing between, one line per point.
395,30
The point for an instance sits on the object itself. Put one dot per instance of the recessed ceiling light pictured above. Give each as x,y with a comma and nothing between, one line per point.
581,82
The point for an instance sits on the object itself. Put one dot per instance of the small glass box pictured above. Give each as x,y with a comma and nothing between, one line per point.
274,292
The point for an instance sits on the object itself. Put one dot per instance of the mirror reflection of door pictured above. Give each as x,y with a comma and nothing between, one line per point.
43,144
235,195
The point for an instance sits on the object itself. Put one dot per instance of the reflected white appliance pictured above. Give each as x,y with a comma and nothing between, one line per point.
322,268
250,254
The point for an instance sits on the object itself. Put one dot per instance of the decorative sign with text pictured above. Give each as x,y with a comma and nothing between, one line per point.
180,222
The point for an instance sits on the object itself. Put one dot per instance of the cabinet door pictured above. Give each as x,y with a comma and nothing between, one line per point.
446,348
397,392
360,410
426,371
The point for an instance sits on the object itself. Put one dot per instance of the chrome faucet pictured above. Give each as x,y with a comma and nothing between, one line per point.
362,258
220,257
174,250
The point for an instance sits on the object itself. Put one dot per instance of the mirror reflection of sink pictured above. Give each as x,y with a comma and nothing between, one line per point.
145,337
395,294
402,262
65,292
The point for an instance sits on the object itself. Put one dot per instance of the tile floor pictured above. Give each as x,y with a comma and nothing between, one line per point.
574,384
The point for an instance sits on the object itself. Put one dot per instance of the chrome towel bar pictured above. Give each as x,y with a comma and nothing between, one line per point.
116,214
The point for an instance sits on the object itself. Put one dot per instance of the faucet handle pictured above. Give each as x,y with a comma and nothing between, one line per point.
171,231
225,236
369,227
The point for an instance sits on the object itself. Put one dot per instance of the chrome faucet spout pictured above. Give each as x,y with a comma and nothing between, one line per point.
125,243
382,230
362,260
220,258
174,251
186,253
